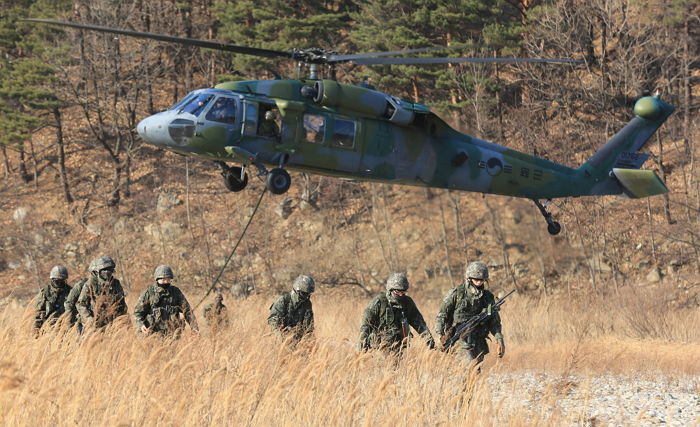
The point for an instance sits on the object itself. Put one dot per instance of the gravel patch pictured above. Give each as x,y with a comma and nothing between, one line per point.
603,400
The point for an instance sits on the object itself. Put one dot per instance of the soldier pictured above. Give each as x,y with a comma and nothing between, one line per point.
268,126
49,303
160,305
292,312
216,313
464,301
386,320
102,298
72,299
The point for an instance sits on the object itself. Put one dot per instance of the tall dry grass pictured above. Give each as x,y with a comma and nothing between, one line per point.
243,376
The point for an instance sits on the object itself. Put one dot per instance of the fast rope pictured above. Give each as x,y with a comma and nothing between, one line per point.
250,219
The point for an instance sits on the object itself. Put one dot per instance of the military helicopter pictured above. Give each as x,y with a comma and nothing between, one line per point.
324,127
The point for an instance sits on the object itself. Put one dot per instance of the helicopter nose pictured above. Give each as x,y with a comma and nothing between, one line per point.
166,130
153,130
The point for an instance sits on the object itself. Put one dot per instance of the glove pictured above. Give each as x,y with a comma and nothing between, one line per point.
500,348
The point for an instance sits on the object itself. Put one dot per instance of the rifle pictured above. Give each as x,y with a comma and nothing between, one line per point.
466,327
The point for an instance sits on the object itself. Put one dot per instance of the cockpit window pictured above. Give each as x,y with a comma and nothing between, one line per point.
223,110
187,98
196,105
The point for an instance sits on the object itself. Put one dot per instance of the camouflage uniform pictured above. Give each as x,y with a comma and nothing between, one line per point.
101,300
216,313
386,320
160,305
49,303
292,312
71,300
463,302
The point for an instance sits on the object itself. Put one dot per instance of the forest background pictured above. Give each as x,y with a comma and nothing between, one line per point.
78,183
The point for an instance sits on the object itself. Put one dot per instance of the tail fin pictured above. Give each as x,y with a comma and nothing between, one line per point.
639,183
615,164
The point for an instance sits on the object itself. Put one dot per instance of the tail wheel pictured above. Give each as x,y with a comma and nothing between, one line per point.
553,228
232,179
278,181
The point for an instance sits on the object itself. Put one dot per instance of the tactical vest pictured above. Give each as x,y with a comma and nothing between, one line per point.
165,309
293,315
467,306
392,326
54,299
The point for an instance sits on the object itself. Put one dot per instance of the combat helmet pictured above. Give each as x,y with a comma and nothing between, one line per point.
59,272
163,272
304,283
398,282
101,263
476,270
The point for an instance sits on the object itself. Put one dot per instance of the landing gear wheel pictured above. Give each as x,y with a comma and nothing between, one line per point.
232,179
278,181
553,228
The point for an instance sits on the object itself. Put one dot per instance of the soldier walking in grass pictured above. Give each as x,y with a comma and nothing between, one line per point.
72,298
386,320
292,313
49,304
161,305
462,303
216,313
101,300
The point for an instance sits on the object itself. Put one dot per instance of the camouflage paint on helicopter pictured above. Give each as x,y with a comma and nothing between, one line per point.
368,135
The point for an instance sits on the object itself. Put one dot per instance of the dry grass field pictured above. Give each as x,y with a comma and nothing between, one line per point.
243,376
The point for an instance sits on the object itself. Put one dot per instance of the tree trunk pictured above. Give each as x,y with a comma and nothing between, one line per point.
60,152
23,166
416,92
35,164
115,197
445,243
662,172
686,87
5,161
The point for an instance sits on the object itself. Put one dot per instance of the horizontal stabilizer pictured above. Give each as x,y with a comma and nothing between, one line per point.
639,183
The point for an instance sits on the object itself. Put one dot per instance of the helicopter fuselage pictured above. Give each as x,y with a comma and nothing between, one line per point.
354,138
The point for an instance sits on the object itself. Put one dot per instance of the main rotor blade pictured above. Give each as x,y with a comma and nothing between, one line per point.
352,56
418,61
267,53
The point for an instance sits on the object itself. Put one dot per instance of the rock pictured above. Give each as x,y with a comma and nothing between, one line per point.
654,275
167,201
167,231
123,225
241,290
284,209
39,239
285,276
14,265
20,214
94,229
599,263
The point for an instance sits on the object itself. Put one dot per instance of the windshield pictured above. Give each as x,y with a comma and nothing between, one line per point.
223,110
196,104
181,102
